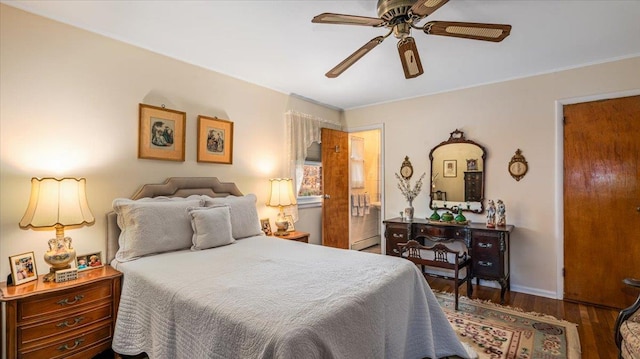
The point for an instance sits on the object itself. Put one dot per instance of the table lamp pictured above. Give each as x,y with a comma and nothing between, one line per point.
281,196
57,203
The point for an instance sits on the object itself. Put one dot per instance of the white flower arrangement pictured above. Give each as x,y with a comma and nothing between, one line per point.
404,185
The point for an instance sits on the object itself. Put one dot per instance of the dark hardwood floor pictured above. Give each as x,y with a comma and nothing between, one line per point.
595,325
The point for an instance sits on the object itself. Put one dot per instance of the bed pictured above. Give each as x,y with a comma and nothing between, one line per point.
246,295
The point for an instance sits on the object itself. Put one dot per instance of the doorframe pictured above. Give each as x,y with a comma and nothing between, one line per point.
559,182
380,126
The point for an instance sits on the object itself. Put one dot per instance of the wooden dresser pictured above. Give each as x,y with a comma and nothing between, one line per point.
488,247
73,319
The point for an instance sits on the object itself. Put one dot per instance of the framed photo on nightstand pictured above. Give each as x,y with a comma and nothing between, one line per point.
290,227
89,261
23,268
266,226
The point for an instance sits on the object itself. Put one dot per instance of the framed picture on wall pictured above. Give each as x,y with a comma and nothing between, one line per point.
450,168
161,135
472,164
23,268
215,140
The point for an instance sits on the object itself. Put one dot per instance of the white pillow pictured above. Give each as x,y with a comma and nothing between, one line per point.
153,225
211,227
244,214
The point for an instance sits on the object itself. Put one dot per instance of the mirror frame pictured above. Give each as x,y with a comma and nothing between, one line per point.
457,137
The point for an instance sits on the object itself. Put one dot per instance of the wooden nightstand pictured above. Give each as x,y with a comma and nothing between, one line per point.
72,319
296,236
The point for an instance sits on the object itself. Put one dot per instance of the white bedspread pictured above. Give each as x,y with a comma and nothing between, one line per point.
264,297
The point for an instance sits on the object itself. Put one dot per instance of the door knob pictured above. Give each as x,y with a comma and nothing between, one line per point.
326,196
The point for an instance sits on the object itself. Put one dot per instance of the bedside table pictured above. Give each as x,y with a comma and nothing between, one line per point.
296,236
73,319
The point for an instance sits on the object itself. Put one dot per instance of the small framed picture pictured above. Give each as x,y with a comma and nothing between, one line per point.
472,164
290,227
89,261
162,133
266,226
23,268
450,168
215,140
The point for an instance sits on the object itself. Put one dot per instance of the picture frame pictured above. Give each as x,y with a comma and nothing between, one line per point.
23,268
450,168
215,140
266,226
161,133
472,164
290,227
89,261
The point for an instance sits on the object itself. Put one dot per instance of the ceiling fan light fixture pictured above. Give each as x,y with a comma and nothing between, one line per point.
410,58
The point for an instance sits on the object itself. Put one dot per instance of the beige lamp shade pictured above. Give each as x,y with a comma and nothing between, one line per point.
281,194
57,202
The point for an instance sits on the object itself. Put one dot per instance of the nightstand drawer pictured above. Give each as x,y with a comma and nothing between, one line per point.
65,301
43,330
69,345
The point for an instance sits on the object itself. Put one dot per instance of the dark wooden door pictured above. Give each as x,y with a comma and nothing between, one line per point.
602,200
335,183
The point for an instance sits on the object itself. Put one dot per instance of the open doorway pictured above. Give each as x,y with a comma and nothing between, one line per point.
365,188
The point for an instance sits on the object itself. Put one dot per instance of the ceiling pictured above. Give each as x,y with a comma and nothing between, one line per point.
275,45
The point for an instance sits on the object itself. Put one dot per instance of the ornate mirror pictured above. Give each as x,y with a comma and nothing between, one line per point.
457,174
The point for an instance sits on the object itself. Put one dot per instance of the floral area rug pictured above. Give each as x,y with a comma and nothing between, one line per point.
496,331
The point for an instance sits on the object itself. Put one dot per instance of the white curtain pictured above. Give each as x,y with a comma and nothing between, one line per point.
302,130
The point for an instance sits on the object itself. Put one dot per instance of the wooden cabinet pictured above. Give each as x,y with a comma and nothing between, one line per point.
473,186
488,247
72,319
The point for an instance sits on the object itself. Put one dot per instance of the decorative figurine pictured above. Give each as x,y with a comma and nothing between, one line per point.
502,217
491,214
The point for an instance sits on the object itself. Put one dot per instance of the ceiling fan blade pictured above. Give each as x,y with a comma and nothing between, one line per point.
330,18
424,8
357,55
410,58
468,30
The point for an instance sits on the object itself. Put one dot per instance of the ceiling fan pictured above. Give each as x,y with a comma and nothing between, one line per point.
400,16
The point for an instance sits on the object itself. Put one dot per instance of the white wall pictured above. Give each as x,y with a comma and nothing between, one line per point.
69,107
502,117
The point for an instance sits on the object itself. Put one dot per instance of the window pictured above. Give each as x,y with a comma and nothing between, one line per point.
310,193
312,180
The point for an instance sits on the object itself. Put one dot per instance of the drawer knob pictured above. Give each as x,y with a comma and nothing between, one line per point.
66,301
397,235
485,245
66,323
67,347
485,264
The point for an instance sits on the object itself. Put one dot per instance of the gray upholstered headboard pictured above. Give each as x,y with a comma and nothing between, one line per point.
172,187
